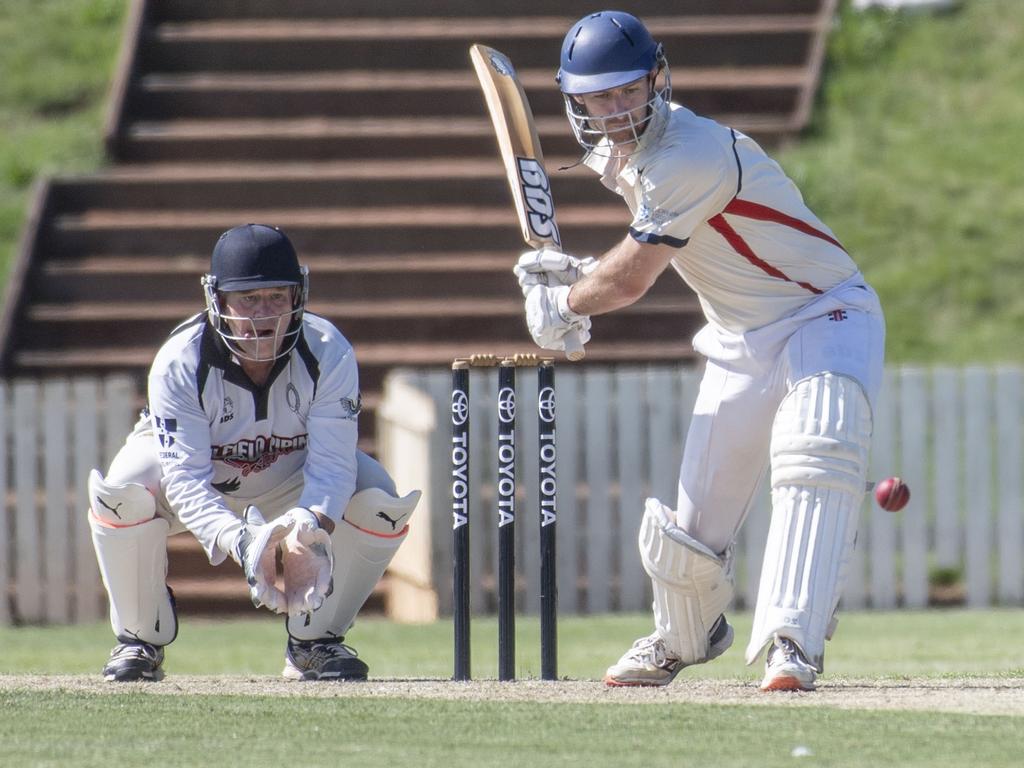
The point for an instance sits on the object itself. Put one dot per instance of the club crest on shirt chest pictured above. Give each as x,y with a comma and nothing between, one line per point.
227,410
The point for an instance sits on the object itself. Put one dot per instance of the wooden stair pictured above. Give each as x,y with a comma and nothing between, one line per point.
359,128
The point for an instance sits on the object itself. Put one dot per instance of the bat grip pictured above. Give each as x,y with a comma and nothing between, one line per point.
574,347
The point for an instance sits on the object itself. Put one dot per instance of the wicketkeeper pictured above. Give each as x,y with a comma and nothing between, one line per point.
249,443
794,343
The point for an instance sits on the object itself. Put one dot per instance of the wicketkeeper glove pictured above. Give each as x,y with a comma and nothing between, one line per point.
255,549
308,559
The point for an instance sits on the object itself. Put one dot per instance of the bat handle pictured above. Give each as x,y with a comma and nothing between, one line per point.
574,347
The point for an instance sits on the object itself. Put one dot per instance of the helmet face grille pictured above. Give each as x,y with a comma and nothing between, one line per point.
595,134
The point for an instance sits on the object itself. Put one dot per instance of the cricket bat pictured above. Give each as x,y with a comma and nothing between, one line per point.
520,151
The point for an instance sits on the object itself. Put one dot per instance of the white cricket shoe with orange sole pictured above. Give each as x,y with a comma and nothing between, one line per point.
650,662
787,669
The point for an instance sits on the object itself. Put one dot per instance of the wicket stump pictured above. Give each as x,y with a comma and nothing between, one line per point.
505,495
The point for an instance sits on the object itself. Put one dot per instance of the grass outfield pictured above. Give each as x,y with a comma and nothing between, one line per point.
929,688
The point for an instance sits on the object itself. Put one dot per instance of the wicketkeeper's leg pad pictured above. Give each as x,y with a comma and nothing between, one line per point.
372,529
692,584
119,504
819,455
133,563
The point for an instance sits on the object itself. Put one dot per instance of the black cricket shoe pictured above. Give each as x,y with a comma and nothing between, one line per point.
134,661
325,659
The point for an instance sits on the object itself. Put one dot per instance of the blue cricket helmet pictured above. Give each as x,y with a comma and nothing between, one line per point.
605,50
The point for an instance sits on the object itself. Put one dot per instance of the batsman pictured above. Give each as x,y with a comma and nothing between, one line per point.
249,443
794,346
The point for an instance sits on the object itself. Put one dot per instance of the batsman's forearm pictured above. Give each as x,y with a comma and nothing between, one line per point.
622,276
598,297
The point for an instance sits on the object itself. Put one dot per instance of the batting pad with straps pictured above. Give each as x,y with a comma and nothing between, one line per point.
819,456
133,564
372,529
692,584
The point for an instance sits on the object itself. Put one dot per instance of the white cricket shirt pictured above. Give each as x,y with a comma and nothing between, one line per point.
220,435
747,244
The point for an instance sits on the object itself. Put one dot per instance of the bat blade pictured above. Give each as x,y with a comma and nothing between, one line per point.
519,146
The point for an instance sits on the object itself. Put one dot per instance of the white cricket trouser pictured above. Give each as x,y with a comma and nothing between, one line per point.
137,462
727,448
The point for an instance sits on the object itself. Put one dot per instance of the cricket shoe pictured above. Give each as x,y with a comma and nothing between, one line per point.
787,669
133,661
650,662
322,660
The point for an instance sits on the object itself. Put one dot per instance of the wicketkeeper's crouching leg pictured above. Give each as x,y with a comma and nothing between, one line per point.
130,540
375,523
131,548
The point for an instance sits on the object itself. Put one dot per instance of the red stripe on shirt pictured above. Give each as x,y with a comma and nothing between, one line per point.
720,225
760,212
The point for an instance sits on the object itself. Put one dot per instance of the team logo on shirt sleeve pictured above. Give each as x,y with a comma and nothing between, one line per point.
165,429
657,217
350,408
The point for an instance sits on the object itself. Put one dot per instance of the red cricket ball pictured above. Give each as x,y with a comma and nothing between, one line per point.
892,494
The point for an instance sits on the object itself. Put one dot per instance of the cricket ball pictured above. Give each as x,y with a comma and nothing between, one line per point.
892,494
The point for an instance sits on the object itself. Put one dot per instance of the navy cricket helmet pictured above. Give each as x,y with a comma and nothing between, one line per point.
603,51
248,258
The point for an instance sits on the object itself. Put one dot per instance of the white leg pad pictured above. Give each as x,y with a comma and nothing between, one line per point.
133,564
819,454
120,504
692,584
373,528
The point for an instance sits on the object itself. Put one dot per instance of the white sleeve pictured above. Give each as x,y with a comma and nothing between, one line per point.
330,468
182,433
680,190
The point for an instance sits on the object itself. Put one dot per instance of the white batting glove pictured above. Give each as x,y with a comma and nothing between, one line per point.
549,317
254,547
308,560
550,267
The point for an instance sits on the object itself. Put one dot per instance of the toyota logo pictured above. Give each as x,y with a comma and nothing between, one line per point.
507,405
460,408
546,404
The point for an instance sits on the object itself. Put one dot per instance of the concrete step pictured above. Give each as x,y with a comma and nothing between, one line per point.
475,319
342,277
307,139
351,93
341,183
183,10
267,45
585,229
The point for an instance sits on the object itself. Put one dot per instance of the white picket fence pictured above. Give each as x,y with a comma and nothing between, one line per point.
51,434
955,435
